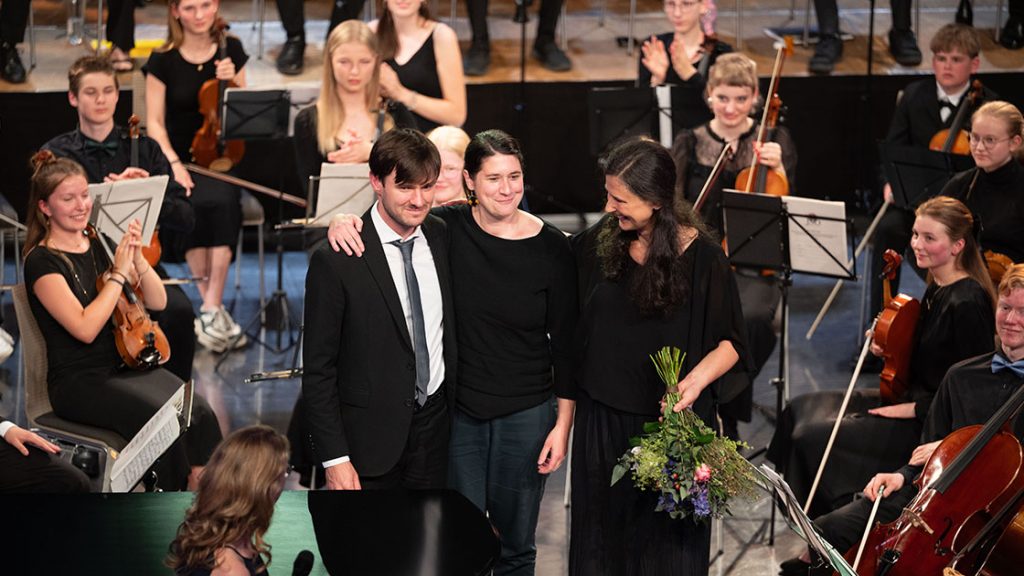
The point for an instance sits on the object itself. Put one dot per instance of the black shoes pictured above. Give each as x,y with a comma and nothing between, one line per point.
552,57
1012,35
903,47
797,567
289,62
826,52
477,61
11,68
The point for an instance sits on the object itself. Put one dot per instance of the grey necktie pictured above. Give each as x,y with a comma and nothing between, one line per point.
419,330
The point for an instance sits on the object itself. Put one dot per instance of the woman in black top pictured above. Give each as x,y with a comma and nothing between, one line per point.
424,65
650,277
994,189
223,529
174,75
84,378
956,323
681,58
515,294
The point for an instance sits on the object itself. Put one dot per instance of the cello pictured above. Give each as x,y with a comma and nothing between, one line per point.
757,177
954,140
209,149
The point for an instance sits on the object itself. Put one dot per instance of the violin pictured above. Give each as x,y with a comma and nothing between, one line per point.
998,264
757,177
973,473
954,140
139,340
209,149
894,333
153,251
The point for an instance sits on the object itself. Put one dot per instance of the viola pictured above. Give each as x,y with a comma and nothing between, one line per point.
757,177
209,149
894,333
954,140
153,251
139,340
973,473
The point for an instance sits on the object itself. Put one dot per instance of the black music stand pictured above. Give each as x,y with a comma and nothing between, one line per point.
263,115
616,113
760,230
916,174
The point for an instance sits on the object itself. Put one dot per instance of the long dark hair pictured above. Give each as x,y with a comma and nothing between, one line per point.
484,145
646,168
387,36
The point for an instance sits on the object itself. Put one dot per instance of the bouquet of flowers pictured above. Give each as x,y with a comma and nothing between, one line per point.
696,472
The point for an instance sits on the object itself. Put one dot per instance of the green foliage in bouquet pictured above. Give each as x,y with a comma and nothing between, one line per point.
696,472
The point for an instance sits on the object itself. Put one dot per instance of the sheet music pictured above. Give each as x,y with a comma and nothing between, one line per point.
344,189
825,222
116,204
151,441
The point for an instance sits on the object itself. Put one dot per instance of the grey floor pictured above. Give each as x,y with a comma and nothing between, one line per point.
821,363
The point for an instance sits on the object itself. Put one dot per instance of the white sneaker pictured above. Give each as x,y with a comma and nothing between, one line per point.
208,334
226,324
6,345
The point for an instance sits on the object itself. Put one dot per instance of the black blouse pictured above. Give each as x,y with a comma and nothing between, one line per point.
616,340
183,80
997,200
957,322
689,104
516,313
419,74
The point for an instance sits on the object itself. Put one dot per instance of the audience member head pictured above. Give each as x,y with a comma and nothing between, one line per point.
404,166
387,34
997,135
451,144
235,500
58,196
351,66
955,48
494,173
732,88
944,238
194,17
640,178
1010,314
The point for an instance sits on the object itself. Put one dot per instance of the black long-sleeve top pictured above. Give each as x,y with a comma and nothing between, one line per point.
997,201
516,313
689,107
969,394
176,212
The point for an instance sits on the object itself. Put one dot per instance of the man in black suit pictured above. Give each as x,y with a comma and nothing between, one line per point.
27,464
13,19
379,354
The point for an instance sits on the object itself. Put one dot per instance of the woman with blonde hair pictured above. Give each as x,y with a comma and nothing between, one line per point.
223,530
350,114
174,75
451,142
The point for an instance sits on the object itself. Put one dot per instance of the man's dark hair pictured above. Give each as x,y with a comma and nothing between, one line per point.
90,65
408,154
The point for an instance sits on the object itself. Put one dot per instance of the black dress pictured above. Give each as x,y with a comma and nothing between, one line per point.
217,204
419,74
689,104
956,323
615,530
86,383
997,201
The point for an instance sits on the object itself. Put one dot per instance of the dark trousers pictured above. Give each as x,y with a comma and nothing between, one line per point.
845,527
345,10
13,19
549,11
893,232
828,15
177,321
494,464
293,18
121,24
424,462
38,472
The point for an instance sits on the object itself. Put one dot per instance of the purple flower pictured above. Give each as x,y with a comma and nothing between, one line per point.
699,500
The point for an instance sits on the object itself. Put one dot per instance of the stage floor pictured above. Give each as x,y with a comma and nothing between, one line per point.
591,30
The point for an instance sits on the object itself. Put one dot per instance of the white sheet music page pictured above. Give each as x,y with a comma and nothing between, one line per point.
825,222
116,204
152,440
344,189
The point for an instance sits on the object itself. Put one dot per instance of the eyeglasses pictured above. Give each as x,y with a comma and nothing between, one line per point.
672,5
987,141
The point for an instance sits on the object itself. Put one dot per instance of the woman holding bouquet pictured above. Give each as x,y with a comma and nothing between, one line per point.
649,277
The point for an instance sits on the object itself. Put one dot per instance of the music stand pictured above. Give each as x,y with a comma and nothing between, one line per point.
263,115
760,231
615,113
916,174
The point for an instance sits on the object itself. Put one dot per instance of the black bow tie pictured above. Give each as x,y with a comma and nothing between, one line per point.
946,104
108,146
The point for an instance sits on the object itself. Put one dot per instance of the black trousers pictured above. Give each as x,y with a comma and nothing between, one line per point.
177,321
121,24
828,15
38,472
424,462
13,19
549,11
293,17
844,527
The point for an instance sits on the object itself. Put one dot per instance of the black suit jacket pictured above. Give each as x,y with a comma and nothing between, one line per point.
359,377
917,117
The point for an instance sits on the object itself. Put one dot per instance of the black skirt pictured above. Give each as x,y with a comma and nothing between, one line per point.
615,530
218,213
